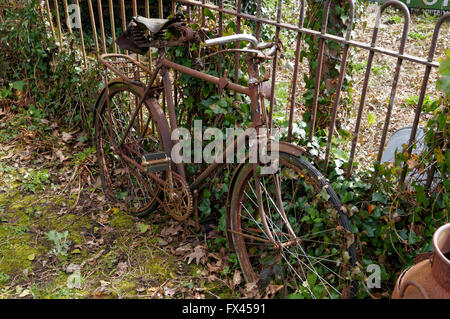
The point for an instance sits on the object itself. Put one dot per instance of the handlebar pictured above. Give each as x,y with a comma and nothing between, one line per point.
232,38
254,45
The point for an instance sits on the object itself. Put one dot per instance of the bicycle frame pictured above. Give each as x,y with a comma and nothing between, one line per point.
163,66
251,91
258,114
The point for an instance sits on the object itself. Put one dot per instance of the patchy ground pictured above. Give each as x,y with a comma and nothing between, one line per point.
59,238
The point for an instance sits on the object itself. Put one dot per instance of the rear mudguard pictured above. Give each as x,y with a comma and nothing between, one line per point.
153,106
284,147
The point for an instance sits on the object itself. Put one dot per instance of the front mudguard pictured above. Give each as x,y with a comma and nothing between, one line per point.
284,147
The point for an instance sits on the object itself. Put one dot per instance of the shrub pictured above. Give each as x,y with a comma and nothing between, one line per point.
42,71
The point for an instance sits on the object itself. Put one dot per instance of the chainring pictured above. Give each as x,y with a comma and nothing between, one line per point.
178,200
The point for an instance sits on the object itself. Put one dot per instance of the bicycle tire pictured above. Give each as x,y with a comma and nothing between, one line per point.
119,177
264,263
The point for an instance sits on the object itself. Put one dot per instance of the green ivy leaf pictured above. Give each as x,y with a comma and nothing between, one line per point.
379,197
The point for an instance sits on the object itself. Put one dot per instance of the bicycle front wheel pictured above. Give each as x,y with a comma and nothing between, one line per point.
306,247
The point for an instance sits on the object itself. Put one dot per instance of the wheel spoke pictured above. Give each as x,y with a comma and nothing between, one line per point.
303,240
125,183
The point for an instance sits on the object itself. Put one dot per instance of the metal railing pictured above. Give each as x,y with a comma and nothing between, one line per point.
235,11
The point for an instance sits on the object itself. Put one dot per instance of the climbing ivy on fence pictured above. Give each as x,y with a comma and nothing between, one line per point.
49,75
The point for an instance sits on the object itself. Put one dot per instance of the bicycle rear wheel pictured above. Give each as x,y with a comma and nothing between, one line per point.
308,248
124,183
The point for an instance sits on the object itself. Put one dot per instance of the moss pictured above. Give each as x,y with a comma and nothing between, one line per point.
22,203
16,257
122,221
126,286
217,288
4,198
156,229
226,295
59,200
155,265
71,222
195,270
55,287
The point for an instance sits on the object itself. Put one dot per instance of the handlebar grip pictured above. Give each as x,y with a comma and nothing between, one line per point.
232,38
272,51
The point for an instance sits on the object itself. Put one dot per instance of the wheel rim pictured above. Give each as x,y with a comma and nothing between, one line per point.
314,264
123,182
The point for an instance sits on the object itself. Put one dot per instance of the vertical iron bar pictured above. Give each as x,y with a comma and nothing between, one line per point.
401,50
94,27
274,67
102,26
147,8
258,24
342,72
123,18
430,175
236,55
113,25
203,14
138,56
161,9
134,7
50,18
83,49
423,90
319,70
147,14
66,12
219,66
58,22
295,75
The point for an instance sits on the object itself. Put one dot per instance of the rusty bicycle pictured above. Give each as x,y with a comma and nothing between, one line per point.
286,227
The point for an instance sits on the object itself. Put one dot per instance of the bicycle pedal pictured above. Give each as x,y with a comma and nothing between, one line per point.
155,162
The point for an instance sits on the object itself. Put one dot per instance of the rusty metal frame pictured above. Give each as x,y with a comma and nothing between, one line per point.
162,67
322,36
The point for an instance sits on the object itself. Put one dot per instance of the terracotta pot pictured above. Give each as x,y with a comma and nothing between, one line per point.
429,278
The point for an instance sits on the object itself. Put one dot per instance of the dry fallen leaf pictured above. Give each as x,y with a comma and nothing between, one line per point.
214,268
60,156
251,290
100,295
171,231
162,242
66,137
24,293
182,250
271,290
199,254
169,292
122,268
10,154
155,292
411,163
236,278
